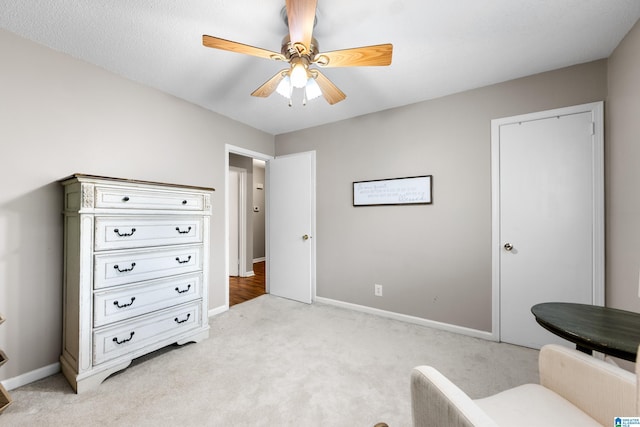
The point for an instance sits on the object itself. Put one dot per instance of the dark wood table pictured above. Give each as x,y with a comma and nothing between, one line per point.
592,328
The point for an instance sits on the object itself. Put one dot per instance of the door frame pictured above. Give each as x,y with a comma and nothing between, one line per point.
242,218
228,149
597,111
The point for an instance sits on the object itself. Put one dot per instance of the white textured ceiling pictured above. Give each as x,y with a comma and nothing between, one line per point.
440,46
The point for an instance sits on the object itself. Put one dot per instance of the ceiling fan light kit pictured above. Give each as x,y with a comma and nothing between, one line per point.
300,50
299,74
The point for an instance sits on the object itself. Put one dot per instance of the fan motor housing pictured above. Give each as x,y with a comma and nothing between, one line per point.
290,50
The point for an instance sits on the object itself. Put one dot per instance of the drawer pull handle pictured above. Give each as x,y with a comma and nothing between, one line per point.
183,262
182,321
115,339
180,231
125,270
125,199
182,292
124,305
184,202
115,230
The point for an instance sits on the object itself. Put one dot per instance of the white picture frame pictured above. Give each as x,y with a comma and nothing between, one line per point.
414,190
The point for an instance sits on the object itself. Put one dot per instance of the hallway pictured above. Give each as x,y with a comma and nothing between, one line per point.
243,289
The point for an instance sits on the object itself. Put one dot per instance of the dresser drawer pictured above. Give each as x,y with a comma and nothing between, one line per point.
123,303
136,198
124,233
131,266
127,337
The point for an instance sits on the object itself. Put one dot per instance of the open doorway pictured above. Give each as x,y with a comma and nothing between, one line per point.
290,246
247,225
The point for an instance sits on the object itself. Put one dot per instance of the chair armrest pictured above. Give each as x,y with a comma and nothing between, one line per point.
437,402
598,388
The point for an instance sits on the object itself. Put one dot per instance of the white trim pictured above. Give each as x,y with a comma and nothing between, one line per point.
247,153
597,111
599,204
267,225
314,213
242,217
217,310
31,376
409,319
249,273
260,259
495,230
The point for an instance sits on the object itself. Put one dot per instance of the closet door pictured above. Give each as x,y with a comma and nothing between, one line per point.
549,245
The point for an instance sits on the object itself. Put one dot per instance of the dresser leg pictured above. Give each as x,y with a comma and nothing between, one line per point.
82,383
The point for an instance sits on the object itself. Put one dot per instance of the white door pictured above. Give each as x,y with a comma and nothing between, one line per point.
234,223
291,227
549,244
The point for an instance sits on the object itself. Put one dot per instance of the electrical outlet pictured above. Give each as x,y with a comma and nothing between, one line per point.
377,290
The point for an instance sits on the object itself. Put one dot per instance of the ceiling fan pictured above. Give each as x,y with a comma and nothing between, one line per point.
300,50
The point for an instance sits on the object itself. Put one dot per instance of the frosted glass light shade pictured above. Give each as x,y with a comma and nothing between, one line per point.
299,75
284,87
312,90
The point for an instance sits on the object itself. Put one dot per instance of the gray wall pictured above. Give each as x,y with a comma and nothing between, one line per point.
59,116
622,166
259,218
433,261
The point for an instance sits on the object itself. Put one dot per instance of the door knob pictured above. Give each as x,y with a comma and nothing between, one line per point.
306,237
508,246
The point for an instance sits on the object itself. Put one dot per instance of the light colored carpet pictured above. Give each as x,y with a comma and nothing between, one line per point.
274,362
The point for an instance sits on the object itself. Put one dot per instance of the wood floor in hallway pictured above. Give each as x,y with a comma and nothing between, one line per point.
243,289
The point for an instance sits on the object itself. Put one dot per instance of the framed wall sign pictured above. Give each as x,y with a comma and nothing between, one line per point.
415,190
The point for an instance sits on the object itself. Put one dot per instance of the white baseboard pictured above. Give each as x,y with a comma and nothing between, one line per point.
409,319
260,259
31,376
250,273
54,368
217,310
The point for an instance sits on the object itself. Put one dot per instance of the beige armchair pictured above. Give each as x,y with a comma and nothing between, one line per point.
575,390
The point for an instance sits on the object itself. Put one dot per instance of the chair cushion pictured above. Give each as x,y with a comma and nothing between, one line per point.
532,405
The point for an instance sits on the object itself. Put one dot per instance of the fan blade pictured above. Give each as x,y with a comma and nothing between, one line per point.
356,57
270,86
218,43
301,15
330,91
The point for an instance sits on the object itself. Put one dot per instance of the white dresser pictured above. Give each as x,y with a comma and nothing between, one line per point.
136,269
